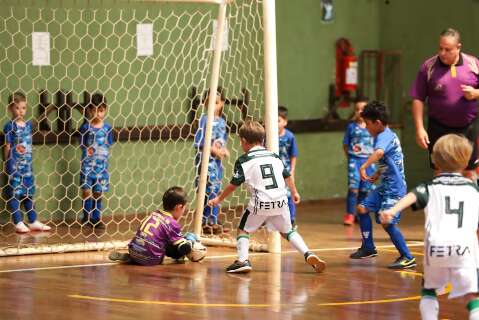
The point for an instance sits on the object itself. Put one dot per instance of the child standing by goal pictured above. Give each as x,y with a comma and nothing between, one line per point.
266,179
451,208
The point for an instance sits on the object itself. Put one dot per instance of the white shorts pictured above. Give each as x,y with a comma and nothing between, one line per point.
252,222
463,280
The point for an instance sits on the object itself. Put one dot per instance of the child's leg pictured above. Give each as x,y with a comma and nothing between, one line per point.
351,201
473,306
88,204
292,210
30,209
96,207
366,227
398,240
14,205
429,305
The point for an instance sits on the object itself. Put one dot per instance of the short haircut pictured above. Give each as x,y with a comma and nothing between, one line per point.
361,98
453,33
451,153
253,132
173,197
283,112
376,110
97,100
219,92
15,98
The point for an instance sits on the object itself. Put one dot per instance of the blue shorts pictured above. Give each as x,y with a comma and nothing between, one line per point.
19,186
96,183
354,179
377,202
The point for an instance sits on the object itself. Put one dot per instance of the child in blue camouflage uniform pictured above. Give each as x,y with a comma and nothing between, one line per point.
96,138
17,153
358,146
215,167
288,152
388,153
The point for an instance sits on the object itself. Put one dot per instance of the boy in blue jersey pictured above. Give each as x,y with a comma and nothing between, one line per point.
288,152
215,166
17,154
358,146
96,137
388,154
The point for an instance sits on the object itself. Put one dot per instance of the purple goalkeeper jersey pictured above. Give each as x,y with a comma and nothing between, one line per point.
155,233
437,83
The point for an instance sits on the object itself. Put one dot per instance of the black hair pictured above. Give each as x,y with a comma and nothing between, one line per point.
376,110
361,98
172,197
219,91
97,100
283,112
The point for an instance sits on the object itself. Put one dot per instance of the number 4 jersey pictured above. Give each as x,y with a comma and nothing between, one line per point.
451,206
263,172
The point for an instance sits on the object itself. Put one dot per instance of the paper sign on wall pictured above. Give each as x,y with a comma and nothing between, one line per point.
144,39
41,48
224,44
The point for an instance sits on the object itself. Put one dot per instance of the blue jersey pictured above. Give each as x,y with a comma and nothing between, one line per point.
358,140
219,136
19,161
391,165
287,148
95,146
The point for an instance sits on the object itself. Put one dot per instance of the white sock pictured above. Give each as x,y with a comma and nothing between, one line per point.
474,314
242,245
473,307
429,308
297,242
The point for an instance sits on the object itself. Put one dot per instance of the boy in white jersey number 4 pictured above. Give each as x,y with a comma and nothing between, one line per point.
266,179
451,207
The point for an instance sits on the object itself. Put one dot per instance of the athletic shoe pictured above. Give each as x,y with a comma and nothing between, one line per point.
313,260
240,267
118,256
207,229
363,253
403,263
219,228
348,219
21,228
38,226
97,225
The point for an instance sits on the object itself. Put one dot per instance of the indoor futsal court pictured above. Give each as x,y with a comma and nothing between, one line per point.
239,159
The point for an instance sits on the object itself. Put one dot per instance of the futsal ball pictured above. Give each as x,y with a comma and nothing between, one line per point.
198,252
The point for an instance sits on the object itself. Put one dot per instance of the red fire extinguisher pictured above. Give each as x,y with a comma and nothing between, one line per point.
346,68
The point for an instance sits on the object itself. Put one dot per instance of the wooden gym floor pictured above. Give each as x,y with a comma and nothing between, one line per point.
87,286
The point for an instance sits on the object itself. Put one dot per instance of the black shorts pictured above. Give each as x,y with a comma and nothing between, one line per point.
435,130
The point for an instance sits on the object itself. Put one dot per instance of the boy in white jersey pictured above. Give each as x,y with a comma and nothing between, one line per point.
266,179
451,207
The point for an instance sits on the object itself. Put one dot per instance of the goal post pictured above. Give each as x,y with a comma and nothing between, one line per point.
60,56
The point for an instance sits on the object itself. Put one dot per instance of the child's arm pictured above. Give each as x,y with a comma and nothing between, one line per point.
293,166
6,151
292,187
377,154
230,188
345,149
387,215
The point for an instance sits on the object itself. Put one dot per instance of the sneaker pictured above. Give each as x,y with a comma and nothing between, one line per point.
98,225
21,228
403,263
240,267
348,219
314,261
118,256
219,229
363,253
207,229
38,226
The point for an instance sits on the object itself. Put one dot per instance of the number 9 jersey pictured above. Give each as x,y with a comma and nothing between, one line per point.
263,172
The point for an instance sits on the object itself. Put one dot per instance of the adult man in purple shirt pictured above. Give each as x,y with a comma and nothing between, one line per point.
449,82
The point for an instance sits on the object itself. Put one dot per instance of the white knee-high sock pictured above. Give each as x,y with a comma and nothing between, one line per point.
297,242
242,246
429,308
473,307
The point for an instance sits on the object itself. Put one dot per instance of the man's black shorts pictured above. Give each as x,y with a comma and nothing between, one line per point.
435,130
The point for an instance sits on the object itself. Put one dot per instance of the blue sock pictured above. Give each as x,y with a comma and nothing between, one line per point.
351,202
366,227
87,208
398,240
362,195
14,205
96,214
32,214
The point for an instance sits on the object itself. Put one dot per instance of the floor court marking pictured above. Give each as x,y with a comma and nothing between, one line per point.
108,264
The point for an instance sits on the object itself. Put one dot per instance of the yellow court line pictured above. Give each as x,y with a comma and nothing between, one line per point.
170,303
412,252
368,302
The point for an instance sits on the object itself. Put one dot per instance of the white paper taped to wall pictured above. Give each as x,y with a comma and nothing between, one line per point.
41,48
144,39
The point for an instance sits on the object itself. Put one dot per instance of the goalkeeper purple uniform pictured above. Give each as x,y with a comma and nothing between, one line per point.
156,234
